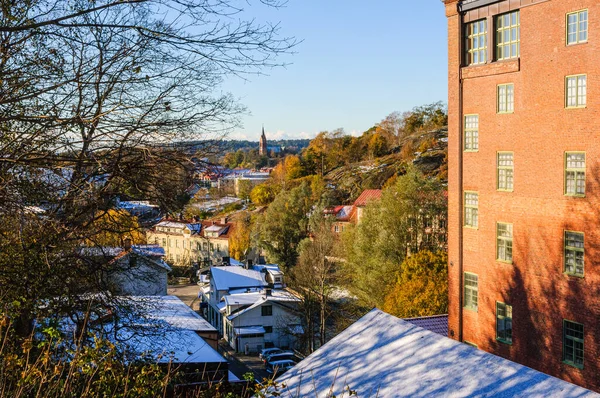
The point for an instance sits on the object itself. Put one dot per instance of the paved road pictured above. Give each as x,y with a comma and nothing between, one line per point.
187,293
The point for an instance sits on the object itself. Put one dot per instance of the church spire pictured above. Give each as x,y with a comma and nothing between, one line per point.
262,145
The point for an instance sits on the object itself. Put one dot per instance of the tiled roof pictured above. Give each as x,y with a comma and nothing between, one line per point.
436,324
366,196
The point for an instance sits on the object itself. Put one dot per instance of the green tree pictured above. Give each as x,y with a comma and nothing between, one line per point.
421,287
405,220
284,225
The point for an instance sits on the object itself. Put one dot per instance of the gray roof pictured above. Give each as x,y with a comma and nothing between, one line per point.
436,323
381,355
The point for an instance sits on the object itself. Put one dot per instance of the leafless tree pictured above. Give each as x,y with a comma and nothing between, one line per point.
96,98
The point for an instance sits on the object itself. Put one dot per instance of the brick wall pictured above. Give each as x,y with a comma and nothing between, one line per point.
538,132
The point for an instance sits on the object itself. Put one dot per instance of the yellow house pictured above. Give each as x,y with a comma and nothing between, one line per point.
192,242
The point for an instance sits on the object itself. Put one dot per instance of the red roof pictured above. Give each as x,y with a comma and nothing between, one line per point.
367,196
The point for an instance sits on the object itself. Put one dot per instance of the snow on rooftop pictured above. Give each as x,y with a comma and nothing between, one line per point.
232,277
381,355
214,228
179,346
246,330
271,268
172,311
256,299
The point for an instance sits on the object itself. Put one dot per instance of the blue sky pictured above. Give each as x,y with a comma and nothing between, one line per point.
359,61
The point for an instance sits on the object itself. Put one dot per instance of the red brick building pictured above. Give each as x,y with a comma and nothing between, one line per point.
524,182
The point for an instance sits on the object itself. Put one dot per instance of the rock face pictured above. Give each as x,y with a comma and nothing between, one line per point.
427,151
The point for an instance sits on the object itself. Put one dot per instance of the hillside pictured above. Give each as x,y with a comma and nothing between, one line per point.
427,151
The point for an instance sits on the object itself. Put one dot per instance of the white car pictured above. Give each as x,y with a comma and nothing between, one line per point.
268,351
280,367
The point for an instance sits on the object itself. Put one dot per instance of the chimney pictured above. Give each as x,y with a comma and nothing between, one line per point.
127,244
267,292
248,264
224,220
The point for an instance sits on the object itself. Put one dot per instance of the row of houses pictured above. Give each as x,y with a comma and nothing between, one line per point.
251,307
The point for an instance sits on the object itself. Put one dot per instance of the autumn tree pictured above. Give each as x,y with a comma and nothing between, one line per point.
409,217
421,287
114,226
263,194
240,240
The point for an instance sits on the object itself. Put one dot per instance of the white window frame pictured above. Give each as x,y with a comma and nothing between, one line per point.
580,27
576,91
471,133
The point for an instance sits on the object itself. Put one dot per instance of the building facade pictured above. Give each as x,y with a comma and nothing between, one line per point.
524,197
192,242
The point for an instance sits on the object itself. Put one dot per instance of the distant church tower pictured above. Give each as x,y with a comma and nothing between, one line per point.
262,146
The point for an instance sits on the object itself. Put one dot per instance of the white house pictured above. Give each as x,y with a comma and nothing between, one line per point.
222,281
250,307
261,319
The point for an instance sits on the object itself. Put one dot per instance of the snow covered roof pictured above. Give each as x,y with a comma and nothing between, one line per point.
246,330
389,357
271,268
194,227
232,277
213,228
437,323
178,346
172,311
256,299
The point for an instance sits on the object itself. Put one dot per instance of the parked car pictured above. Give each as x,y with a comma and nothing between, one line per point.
268,351
280,367
280,356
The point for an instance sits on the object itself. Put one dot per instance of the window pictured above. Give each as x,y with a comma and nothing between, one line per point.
506,98
218,247
470,291
476,42
268,329
164,242
577,27
576,91
573,343
471,133
176,243
574,252
505,170
575,174
336,229
471,209
212,247
508,36
266,310
198,246
504,239
504,323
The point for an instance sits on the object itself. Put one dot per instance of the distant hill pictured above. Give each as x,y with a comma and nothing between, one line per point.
223,146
